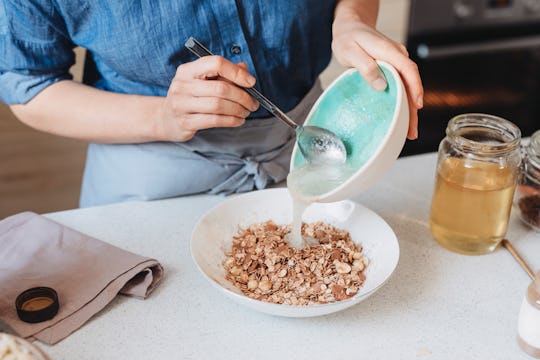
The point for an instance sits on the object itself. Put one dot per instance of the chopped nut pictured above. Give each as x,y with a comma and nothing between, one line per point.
265,285
235,270
343,268
339,292
228,262
270,226
252,266
358,265
277,284
336,255
252,284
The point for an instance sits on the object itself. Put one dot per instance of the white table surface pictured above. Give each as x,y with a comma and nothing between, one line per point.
437,304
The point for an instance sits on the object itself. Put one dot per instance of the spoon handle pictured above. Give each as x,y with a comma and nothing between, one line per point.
200,50
508,245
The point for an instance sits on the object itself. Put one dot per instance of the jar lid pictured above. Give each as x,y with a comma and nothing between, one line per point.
37,304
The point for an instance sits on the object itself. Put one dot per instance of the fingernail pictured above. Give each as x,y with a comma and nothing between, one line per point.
379,84
250,80
413,134
420,102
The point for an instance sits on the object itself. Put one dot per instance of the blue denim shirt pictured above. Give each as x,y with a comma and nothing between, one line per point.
135,47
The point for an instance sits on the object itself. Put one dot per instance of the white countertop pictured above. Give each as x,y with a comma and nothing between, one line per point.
437,304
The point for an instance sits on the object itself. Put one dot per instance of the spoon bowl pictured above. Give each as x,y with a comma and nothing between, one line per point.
320,146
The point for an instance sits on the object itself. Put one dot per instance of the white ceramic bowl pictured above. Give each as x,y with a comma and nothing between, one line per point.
372,124
212,238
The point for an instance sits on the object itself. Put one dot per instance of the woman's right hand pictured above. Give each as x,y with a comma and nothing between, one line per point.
202,96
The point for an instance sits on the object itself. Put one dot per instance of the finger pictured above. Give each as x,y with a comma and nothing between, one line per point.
412,133
412,99
407,69
415,93
382,48
410,75
389,51
403,49
213,66
356,57
245,66
223,90
217,106
197,122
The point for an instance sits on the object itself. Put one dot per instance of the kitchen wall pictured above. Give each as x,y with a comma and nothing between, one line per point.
42,173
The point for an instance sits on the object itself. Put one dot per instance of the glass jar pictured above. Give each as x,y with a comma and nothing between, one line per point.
477,170
528,190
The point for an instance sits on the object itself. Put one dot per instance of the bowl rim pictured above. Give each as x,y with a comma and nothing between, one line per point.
391,129
246,299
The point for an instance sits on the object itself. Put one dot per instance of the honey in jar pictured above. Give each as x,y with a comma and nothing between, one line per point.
476,177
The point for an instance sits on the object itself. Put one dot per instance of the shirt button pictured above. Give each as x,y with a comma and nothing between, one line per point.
236,49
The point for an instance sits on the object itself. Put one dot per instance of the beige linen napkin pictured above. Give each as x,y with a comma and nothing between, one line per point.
86,273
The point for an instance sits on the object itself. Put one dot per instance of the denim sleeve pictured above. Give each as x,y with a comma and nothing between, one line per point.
35,50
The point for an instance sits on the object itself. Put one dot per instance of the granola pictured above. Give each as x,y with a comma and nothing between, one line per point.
264,267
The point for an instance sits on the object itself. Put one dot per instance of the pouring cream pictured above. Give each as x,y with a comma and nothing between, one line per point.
305,183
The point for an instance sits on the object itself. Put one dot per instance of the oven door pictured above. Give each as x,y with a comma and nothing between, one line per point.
494,71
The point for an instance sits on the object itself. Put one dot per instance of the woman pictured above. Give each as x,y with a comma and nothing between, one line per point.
162,123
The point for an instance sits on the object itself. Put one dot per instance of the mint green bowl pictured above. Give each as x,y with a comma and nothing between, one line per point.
372,124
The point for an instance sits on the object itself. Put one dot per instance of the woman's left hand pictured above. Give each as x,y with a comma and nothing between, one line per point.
357,44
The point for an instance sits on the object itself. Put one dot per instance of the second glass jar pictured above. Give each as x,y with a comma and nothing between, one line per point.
528,190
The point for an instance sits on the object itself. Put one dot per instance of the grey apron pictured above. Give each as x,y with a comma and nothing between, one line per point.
215,161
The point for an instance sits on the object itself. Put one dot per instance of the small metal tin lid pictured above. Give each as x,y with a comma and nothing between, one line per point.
37,304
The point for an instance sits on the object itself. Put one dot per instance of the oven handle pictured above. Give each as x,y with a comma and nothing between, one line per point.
424,51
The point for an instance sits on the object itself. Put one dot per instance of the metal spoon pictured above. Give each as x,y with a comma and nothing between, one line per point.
316,144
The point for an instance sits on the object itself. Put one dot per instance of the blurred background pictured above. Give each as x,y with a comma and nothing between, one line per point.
473,55
38,172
